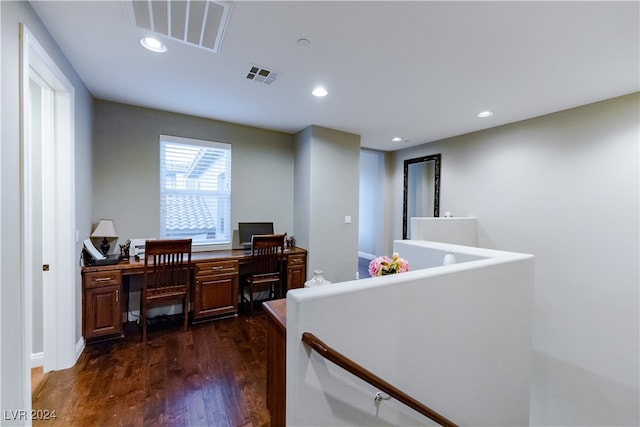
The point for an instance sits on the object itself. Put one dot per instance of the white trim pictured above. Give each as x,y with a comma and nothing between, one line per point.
59,309
25,323
79,347
1,127
366,255
37,360
195,141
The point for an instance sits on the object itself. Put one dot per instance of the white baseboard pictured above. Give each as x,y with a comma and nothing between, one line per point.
365,255
79,348
37,359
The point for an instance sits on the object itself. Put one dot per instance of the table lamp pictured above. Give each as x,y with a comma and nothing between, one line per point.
105,229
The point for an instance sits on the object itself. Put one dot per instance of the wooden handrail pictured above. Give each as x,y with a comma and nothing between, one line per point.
357,370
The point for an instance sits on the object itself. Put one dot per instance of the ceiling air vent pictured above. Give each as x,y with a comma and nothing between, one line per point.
262,75
196,22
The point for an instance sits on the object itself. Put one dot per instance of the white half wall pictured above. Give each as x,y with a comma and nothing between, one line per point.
456,337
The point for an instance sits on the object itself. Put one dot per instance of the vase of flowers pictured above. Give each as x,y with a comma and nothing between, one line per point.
383,265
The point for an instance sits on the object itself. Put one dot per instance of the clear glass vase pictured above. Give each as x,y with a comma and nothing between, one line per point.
449,258
316,280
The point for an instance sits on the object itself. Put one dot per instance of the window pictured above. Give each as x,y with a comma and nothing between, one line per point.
195,190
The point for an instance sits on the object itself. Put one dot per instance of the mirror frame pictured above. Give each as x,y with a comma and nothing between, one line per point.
436,193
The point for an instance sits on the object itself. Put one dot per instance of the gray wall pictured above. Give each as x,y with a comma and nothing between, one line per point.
327,187
11,305
564,187
127,169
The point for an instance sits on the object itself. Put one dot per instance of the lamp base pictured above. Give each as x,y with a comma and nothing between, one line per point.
104,246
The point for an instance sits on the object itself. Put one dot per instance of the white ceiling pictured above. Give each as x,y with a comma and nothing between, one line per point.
419,70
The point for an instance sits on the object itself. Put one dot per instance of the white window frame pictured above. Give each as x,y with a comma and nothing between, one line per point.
223,219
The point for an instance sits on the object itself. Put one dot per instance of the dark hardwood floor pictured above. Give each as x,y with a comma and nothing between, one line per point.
212,375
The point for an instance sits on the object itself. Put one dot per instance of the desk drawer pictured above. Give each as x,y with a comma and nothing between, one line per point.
216,267
296,260
102,278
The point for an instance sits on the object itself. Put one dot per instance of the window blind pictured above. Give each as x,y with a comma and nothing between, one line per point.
195,190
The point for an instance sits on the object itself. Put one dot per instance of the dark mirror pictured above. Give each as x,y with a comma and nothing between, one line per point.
421,189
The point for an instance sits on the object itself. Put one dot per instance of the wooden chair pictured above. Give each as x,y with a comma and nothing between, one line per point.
167,276
266,267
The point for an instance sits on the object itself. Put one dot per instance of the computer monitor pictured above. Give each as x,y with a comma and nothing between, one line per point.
247,229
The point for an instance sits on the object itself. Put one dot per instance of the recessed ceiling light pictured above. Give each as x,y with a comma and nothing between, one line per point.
153,44
396,139
485,113
303,42
320,91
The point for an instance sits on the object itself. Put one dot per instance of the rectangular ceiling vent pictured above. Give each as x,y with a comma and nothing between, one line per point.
196,22
261,75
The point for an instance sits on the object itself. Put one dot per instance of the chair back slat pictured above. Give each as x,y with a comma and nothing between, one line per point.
167,265
266,253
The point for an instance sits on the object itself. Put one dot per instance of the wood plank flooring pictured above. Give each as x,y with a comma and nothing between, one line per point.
212,375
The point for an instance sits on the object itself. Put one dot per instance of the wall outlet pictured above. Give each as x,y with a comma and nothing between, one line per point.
347,219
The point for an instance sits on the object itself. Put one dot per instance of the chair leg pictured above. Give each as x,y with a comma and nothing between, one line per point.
143,321
185,312
243,299
250,301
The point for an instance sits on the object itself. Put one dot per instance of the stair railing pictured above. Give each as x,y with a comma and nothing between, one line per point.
349,365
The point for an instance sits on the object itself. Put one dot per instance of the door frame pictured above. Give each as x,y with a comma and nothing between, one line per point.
59,297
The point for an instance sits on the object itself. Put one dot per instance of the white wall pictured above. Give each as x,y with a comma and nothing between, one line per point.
461,231
327,186
11,335
564,187
457,338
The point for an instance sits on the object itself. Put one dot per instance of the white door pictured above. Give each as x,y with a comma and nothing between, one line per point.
40,168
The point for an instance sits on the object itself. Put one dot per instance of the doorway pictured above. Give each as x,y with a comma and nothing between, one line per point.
371,209
48,212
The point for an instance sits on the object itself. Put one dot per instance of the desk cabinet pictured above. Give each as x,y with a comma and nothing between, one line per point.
296,270
102,304
215,288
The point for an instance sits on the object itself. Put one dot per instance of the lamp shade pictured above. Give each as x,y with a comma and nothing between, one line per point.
105,228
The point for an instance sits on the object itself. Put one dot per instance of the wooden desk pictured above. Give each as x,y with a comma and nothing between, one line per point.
214,292
276,360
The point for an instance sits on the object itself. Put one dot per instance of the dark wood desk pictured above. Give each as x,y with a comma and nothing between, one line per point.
276,360
214,293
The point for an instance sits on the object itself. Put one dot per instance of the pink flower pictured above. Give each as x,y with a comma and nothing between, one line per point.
384,265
